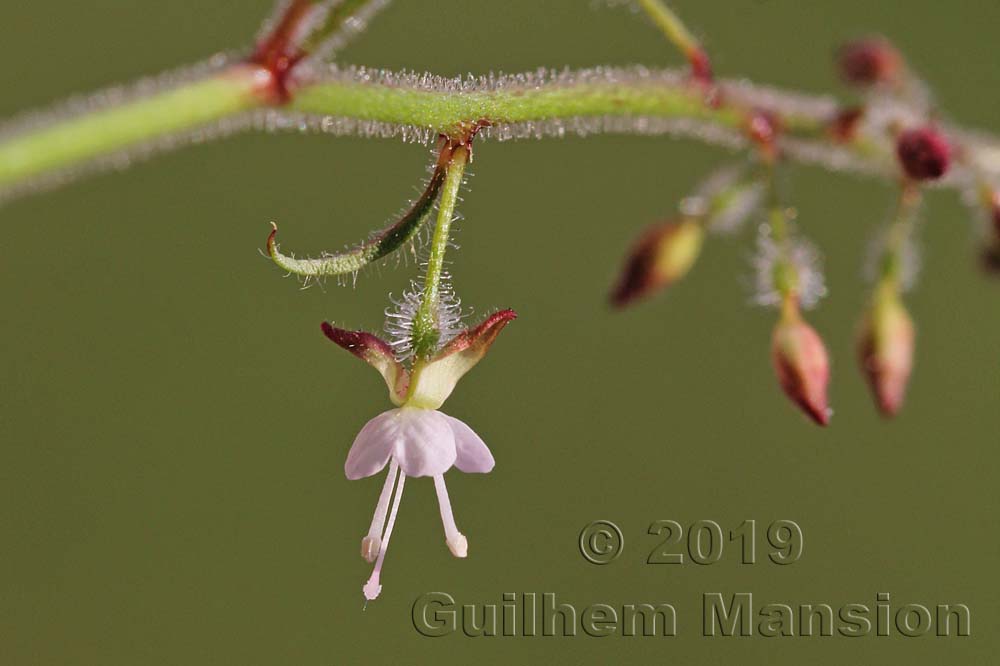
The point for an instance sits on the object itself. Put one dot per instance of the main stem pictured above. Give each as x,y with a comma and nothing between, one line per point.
378,104
47,149
426,332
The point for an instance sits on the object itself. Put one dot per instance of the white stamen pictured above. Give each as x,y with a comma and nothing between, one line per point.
457,543
373,588
371,543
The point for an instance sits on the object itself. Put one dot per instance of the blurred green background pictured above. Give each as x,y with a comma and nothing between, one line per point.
174,425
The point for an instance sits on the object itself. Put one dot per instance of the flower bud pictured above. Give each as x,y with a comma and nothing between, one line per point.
662,255
885,350
923,153
801,364
869,62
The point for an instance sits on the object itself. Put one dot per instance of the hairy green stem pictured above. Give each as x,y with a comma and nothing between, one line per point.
892,265
425,325
672,27
69,142
452,112
615,100
786,277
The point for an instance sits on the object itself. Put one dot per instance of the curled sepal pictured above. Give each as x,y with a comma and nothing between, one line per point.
885,350
662,255
376,353
434,380
801,363
385,242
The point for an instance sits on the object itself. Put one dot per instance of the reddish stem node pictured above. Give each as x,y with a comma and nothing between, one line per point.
701,66
844,126
280,51
763,128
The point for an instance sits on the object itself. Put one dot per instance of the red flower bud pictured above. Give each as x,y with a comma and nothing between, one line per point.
923,153
885,350
663,254
802,365
869,62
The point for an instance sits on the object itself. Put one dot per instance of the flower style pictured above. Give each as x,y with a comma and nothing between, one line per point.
415,439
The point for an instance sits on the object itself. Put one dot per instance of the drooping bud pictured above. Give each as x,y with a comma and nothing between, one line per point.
924,153
801,363
869,62
662,255
885,350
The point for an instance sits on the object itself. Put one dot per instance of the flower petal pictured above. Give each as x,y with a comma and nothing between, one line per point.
472,453
424,443
372,447
376,353
434,382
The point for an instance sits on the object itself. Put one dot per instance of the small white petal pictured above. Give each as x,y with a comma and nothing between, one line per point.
372,447
424,443
472,453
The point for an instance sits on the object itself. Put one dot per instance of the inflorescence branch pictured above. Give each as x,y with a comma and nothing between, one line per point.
283,86
287,83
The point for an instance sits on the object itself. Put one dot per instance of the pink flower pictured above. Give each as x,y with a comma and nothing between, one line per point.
416,439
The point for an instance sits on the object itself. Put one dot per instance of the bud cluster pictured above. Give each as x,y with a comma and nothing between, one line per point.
788,275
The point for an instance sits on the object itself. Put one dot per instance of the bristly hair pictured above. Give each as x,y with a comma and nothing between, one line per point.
910,259
804,257
400,316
